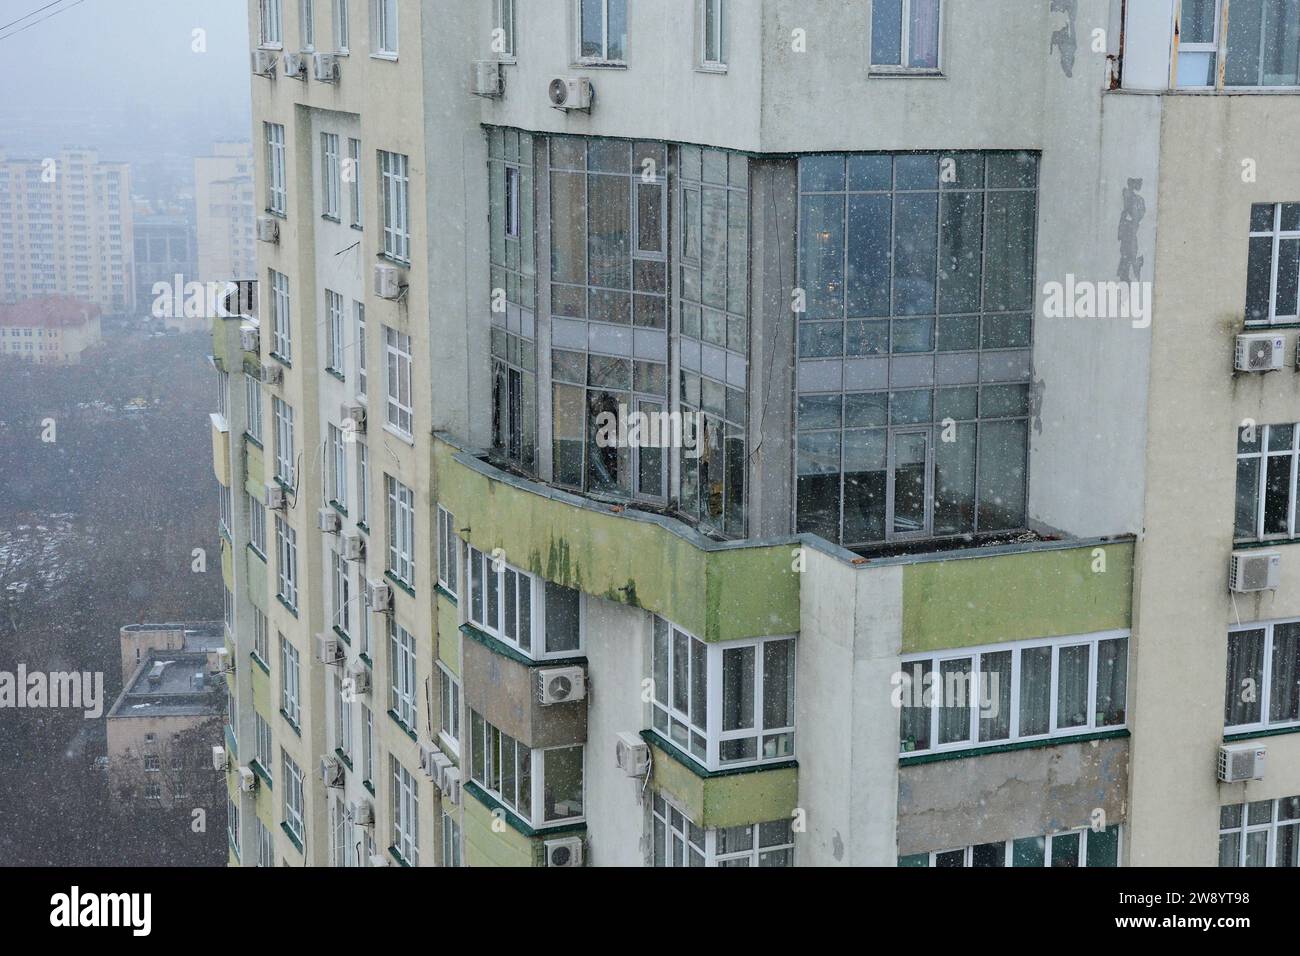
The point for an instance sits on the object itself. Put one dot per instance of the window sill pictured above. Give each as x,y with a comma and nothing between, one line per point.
908,760
598,65
259,554
694,766
334,219
400,584
714,69
289,720
256,766
397,855
1258,326
257,659
341,509
343,757
365,659
253,441
293,838
363,528
392,715
281,359
394,260
440,589
382,55
1255,543
335,373
369,786
517,822
287,606
276,213
400,435
277,47
895,73
1237,736
342,635
449,746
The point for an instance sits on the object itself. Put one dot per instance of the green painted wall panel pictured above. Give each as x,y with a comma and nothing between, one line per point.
728,800
255,470
227,565
448,634
255,580
972,601
717,595
484,847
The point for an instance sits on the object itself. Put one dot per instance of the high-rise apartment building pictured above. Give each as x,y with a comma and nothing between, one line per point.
224,212
66,229
762,433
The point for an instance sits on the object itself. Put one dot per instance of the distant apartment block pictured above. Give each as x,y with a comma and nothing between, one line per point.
66,228
51,330
223,207
165,251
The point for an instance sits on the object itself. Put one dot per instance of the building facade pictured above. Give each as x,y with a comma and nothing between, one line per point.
657,461
49,330
66,228
224,213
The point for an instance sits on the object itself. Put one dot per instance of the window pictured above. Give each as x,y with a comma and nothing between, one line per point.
264,750
383,27
341,593
503,22
253,394
448,550
338,468
281,328
330,176
265,843
1262,47
261,643
449,705
450,840
406,814
541,787
1263,833
602,31
1273,270
225,505
1263,686
397,380
712,31
289,681
342,30
367,745
352,176
152,764
307,24
285,465
293,804
286,541
277,177
401,673
153,791
363,484
905,35
726,705
902,256
343,718
678,842
401,530
395,198
338,834
256,525
363,616
1266,479
959,699
271,18
361,349
1073,848
540,618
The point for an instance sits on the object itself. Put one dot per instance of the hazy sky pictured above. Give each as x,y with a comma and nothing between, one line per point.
137,55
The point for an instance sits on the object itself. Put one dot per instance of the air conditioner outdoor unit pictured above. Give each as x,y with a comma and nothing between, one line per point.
1254,571
427,762
274,496
272,373
247,780
264,63
325,67
566,851
571,93
331,770
1238,762
560,685
268,229
442,765
631,754
328,649
361,813
360,677
485,78
218,758
328,520
388,281
379,596
354,547
451,786
355,413
295,65
1259,352
249,338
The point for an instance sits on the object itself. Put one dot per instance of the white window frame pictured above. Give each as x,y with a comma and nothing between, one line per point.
603,59
1273,828
1277,234
450,840
363,483
265,843
711,734
285,458
264,746
482,574
401,530
271,24
448,552
1291,459
721,18
395,204
343,718
292,806
533,814
290,681
355,202
363,616
1219,48
253,396
1265,690
406,812
367,744
383,29
397,383
338,467
448,709
342,29
256,525
281,318
901,68
277,201
402,691
331,176
359,313
973,742
334,333
699,847
503,19
261,636
286,548
307,25
341,593
1008,849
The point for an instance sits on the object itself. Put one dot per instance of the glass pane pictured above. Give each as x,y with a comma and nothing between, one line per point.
660,661
962,230
1198,21
954,475
1277,494
699,684
995,696
864,485
1242,696
562,784
1035,691
1072,687
819,485
923,35
561,618
1002,475
950,859
1229,849
1259,279
1257,848
778,684
609,245
713,288
914,725
916,250
649,217
989,855
1103,847
886,32
681,672
738,688
955,707
1029,852
821,259
910,462
869,254
568,227
1112,681
1009,258
1065,850
1247,511
1284,699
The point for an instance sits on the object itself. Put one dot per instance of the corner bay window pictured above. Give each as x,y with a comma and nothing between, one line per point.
679,842
959,699
542,787
1262,833
725,704
540,618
